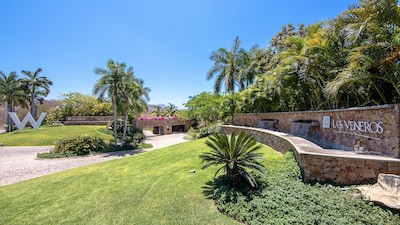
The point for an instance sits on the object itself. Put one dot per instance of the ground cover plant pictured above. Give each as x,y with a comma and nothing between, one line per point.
283,198
49,135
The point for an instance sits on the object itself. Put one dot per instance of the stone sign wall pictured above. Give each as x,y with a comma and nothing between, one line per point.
365,129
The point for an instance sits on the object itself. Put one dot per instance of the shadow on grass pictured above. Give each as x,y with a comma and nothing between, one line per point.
223,187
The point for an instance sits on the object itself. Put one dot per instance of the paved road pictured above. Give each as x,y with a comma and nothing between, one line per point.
20,163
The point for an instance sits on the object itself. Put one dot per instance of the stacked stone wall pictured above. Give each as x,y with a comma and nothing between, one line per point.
365,129
321,165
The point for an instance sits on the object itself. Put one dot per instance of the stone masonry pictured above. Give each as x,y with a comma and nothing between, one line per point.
366,129
324,165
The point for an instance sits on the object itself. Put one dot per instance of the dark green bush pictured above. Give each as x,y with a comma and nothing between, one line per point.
81,145
204,131
283,198
134,135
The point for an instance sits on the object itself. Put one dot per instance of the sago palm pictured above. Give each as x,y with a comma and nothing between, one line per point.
237,154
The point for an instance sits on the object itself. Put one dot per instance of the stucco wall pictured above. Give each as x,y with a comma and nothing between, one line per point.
365,129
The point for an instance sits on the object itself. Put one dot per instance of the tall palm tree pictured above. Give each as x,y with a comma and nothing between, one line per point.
158,111
37,87
133,97
111,84
226,67
171,109
237,154
12,94
142,94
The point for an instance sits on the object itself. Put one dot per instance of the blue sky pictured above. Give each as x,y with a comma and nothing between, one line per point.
168,43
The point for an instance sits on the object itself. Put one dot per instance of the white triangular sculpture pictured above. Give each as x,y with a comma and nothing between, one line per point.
28,117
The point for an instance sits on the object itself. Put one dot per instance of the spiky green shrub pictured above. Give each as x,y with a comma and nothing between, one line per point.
237,154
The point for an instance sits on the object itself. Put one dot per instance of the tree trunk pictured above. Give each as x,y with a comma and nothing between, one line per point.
115,120
33,106
137,120
9,120
125,128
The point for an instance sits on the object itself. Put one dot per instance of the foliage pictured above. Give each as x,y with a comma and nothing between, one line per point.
237,154
204,107
37,88
12,94
77,104
204,131
81,145
283,198
134,135
126,92
351,60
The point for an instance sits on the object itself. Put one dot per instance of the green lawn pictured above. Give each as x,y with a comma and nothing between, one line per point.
157,188
149,188
48,135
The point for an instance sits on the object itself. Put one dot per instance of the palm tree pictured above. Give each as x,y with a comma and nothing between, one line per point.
237,154
37,87
111,84
11,93
226,67
133,97
142,94
171,109
371,31
158,111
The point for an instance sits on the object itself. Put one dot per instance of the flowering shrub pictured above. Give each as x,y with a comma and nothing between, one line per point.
159,118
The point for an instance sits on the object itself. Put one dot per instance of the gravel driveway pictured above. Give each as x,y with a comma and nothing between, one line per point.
20,163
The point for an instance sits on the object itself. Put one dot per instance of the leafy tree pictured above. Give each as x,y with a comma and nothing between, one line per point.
111,84
237,154
371,29
12,94
37,87
204,107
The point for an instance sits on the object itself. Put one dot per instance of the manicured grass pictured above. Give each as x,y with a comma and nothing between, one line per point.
157,188
48,135
149,188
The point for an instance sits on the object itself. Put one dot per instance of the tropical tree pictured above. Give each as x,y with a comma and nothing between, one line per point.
237,154
37,88
171,109
158,111
142,97
111,84
226,67
204,107
372,74
133,97
12,94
